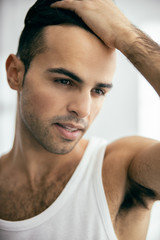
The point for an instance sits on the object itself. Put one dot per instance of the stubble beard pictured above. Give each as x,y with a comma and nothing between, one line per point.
44,135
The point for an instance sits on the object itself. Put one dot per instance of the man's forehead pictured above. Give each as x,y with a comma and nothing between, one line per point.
68,33
74,38
79,51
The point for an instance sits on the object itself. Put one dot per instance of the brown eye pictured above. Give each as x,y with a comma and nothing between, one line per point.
63,81
99,91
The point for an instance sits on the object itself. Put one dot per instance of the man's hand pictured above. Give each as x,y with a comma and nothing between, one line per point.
102,16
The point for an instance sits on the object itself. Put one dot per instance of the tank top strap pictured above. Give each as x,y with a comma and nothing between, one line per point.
99,190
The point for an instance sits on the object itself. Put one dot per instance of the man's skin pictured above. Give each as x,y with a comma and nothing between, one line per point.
45,154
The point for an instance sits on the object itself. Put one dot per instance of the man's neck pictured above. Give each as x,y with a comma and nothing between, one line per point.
35,163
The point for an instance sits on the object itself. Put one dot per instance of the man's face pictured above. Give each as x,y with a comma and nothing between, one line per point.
64,87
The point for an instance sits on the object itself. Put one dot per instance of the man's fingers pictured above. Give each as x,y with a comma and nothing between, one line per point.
67,4
73,5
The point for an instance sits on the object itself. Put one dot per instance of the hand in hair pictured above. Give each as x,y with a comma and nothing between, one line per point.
102,17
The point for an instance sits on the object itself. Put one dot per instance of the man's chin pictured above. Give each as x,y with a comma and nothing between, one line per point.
62,147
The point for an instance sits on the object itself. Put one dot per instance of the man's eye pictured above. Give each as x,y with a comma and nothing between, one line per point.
99,91
63,81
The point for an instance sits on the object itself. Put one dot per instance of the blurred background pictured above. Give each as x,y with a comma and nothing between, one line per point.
131,108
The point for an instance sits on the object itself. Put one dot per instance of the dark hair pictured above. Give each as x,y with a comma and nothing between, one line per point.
38,17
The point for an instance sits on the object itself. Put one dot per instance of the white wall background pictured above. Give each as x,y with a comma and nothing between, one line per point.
124,112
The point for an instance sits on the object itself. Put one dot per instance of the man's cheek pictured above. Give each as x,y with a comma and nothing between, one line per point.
41,103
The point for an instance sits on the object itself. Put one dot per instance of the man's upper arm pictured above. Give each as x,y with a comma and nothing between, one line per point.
144,167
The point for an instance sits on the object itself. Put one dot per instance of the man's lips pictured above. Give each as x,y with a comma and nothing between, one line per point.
69,131
70,127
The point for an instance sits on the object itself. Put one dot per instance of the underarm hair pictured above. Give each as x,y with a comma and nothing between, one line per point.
136,195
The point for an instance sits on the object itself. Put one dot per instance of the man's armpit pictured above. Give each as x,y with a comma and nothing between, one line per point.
137,195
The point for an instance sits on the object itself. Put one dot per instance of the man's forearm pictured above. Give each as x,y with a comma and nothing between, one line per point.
144,53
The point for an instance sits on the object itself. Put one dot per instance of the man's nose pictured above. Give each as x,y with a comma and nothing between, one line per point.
80,105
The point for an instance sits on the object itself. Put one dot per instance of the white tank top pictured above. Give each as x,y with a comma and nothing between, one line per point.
79,213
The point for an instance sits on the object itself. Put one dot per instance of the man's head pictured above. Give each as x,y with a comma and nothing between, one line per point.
64,85
39,16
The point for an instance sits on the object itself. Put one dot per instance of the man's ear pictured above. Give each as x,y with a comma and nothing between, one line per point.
15,72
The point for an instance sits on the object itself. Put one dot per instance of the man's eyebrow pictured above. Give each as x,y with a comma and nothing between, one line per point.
104,85
66,72
76,78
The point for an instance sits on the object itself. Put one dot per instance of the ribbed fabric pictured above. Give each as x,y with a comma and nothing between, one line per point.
79,213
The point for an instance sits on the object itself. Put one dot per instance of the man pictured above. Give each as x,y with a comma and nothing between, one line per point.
50,182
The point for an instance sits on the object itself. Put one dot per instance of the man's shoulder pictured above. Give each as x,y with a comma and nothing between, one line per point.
2,160
5,166
4,157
